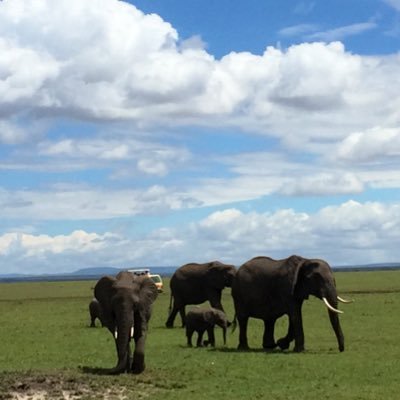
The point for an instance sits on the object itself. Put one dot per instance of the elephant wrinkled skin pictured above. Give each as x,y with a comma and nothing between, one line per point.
266,289
126,302
196,283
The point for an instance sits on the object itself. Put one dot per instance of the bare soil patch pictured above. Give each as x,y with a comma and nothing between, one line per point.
63,386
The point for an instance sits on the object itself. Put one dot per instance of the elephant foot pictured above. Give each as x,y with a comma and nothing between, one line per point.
116,371
269,346
243,347
137,368
341,347
298,349
169,325
283,344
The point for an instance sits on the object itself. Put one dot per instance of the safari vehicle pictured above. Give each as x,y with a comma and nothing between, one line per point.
154,277
158,281
142,271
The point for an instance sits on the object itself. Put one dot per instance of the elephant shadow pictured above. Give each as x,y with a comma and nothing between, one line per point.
274,352
94,371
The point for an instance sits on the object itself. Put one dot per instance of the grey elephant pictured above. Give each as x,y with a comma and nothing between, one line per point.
196,283
95,313
201,320
126,302
267,289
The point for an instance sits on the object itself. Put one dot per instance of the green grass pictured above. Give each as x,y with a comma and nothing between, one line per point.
46,344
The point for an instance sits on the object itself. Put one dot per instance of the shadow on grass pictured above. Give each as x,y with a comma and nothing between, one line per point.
275,352
95,371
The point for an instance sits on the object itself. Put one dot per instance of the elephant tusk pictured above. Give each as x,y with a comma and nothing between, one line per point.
330,307
116,333
344,300
132,331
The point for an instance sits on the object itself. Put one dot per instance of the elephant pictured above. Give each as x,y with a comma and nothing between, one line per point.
95,312
196,283
267,289
126,301
204,319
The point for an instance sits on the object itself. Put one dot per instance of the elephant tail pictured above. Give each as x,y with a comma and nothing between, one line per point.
170,304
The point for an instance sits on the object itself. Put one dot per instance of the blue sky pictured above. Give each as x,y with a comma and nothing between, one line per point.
160,132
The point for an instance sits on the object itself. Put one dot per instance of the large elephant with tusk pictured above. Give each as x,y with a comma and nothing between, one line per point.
267,289
126,303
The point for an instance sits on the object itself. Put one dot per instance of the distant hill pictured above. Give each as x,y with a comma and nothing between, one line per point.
82,274
96,271
167,271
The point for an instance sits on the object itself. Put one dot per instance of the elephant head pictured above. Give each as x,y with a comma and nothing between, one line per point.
315,277
126,302
220,275
217,317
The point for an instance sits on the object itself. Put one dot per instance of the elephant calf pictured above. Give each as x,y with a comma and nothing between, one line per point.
204,319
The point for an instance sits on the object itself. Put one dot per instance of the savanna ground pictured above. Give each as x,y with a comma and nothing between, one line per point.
48,351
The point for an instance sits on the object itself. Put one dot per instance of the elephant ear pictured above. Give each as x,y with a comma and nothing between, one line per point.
147,291
216,274
301,269
294,264
103,292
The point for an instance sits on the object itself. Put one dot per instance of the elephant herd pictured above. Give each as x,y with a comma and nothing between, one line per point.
262,288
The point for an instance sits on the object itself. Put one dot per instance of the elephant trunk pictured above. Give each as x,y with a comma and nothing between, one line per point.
331,297
122,336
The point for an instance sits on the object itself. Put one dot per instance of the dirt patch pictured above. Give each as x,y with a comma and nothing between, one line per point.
61,386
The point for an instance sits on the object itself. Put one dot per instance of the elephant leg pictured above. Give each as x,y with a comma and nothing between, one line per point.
268,337
211,336
243,344
183,316
170,321
284,342
189,334
297,323
200,338
138,364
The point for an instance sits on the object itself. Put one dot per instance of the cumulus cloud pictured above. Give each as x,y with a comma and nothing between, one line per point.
345,234
370,146
124,64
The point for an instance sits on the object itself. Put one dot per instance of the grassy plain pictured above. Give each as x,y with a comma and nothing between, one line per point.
47,348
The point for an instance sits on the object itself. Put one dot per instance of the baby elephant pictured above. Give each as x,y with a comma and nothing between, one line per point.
95,312
204,319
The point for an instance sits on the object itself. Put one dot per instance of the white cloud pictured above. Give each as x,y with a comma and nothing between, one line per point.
105,59
345,234
11,133
393,3
80,203
145,157
323,184
370,146
343,31
297,30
